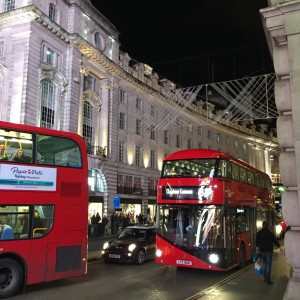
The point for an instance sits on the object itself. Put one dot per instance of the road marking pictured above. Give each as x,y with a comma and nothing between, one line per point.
213,290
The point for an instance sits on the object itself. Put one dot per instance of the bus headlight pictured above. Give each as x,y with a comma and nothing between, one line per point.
131,247
105,246
158,253
213,258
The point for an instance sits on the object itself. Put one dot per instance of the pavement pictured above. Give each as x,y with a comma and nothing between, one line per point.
243,285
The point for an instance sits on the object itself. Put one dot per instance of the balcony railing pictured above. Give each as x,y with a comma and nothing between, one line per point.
97,150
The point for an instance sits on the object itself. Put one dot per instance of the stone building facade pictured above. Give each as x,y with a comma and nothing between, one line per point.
61,67
281,21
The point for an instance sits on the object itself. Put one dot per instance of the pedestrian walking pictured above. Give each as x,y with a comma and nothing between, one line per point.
265,239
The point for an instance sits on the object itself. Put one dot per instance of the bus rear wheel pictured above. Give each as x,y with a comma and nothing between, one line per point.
11,277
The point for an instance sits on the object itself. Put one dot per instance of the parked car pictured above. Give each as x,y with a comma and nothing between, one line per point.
135,244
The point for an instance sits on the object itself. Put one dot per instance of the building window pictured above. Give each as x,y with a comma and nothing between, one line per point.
138,104
236,143
178,141
48,104
50,57
9,5
167,137
122,96
152,133
138,155
209,135
122,121
99,43
199,145
200,129
87,130
90,83
122,151
137,186
178,121
190,128
190,144
138,127
95,181
218,137
53,12
152,186
152,111
153,159
245,146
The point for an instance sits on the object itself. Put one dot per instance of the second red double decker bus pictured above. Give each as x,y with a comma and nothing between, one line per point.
210,206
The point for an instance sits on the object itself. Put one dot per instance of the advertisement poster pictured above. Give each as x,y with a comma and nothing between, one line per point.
16,177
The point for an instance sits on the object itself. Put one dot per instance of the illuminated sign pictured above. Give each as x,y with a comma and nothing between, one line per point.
199,193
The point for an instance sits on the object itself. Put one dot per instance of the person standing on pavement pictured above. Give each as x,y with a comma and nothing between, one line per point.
105,223
265,239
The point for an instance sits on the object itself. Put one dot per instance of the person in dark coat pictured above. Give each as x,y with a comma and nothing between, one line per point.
105,222
265,239
97,218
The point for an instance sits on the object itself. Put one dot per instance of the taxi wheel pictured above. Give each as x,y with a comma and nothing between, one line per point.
140,257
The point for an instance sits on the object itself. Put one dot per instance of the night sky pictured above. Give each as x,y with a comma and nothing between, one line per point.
192,42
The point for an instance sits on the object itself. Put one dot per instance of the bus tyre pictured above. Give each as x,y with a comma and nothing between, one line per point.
11,277
140,257
242,256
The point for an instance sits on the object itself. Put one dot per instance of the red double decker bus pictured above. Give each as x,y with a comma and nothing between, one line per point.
43,206
210,206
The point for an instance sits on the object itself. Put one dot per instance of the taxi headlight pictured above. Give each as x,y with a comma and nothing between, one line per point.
213,258
105,246
131,247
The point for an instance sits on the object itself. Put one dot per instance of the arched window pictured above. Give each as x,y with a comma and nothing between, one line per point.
48,104
98,41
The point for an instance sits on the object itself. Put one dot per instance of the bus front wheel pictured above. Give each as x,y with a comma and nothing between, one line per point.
11,277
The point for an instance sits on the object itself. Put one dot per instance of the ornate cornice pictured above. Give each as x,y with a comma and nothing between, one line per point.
29,14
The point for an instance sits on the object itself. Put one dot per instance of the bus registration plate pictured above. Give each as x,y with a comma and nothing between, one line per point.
114,256
183,262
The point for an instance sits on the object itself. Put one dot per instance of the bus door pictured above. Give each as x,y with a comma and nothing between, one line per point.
230,235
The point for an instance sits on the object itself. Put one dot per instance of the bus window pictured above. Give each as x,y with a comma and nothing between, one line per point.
235,172
16,146
193,227
25,224
250,177
58,151
222,170
42,220
243,175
